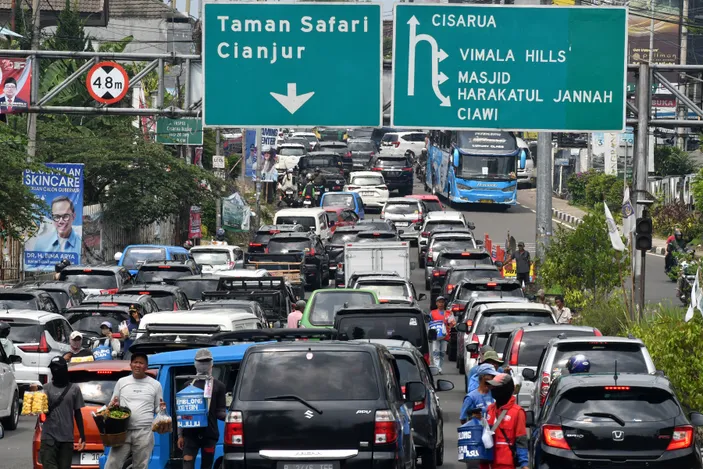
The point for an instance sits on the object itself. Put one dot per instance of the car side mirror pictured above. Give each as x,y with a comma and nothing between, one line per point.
470,225
444,385
529,374
118,256
498,264
432,334
696,419
462,327
472,347
332,223
15,359
421,296
529,418
415,391
418,227
2,432
434,371
479,242
400,232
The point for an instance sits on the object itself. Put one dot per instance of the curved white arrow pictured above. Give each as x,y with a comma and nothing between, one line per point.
438,55
292,101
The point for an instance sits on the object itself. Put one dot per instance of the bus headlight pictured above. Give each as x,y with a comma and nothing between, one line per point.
462,187
509,188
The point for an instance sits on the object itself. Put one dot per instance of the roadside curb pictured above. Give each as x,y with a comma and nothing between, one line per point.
575,221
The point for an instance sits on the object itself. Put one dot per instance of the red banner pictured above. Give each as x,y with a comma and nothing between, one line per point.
195,224
16,79
663,101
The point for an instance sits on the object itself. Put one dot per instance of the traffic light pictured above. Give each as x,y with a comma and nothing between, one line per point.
643,234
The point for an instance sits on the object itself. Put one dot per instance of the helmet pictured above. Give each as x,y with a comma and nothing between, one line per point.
61,265
317,169
220,234
309,176
578,364
300,305
188,244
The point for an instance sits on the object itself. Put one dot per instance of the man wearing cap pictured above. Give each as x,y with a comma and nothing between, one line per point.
522,264
489,356
441,321
478,400
204,439
297,315
542,298
77,351
108,339
507,420
143,395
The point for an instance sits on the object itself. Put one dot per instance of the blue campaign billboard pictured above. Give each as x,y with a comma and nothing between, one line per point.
59,229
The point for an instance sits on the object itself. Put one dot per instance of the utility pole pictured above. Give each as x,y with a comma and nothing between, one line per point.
258,164
34,90
219,150
640,170
682,109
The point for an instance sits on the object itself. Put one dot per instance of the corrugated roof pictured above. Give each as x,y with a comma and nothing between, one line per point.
83,6
140,9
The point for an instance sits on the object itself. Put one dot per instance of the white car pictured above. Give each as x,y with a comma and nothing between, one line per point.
288,156
36,337
214,258
189,323
370,186
9,391
310,137
399,143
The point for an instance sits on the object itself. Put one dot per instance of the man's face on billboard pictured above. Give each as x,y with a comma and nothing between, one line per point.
63,217
10,90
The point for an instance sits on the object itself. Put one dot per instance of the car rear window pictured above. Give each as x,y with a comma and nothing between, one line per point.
96,279
456,260
393,162
389,138
321,161
158,274
163,299
533,343
211,257
96,386
433,205
448,224
263,237
60,298
635,404
194,288
338,200
325,305
311,375
408,327
401,208
473,290
367,181
17,301
286,245
452,245
362,146
385,290
499,341
291,151
90,321
307,222
23,332
488,321
134,257
407,369
474,274
371,235
602,356
341,237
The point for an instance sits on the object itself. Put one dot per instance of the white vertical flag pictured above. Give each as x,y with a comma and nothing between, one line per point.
695,297
628,215
615,238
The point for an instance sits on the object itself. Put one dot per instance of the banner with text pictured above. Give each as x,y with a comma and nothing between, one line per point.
60,229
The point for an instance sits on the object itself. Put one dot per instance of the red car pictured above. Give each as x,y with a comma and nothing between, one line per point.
97,381
340,216
432,201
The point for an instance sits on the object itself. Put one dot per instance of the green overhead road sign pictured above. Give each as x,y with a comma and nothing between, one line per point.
183,131
509,67
292,65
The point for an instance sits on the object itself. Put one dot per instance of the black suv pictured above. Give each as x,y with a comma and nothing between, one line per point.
64,294
166,297
331,169
341,149
361,151
320,405
161,271
397,172
27,298
605,421
264,233
317,261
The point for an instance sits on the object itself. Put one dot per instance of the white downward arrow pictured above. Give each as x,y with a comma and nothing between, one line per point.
292,101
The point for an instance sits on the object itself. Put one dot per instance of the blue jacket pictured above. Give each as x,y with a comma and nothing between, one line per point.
473,378
475,400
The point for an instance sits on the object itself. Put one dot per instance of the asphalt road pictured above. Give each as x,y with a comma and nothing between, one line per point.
15,449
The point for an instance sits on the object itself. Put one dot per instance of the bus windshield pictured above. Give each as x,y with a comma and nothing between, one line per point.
487,167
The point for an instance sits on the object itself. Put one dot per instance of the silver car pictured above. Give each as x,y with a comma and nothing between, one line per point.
406,214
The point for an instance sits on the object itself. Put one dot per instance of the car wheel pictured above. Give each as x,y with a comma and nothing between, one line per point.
460,365
440,449
429,459
10,422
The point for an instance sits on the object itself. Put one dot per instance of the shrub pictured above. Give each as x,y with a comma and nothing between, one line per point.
675,349
609,314
576,184
666,217
672,161
590,188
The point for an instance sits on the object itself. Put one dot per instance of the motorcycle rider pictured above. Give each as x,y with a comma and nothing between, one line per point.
677,244
220,237
287,183
309,190
318,179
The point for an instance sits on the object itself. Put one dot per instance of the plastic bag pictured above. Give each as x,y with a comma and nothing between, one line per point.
163,423
27,401
124,329
487,437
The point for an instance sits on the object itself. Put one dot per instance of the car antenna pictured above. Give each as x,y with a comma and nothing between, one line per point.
615,376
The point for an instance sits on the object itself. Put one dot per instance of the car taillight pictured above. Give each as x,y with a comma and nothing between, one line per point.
544,387
41,347
597,332
376,169
340,266
230,265
255,245
419,405
407,169
234,429
450,287
273,232
427,359
351,188
475,340
681,438
396,144
266,250
416,221
175,306
43,379
164,267
515,349
348,155
425,234
553,436
311,251
109,291
144,293
385,430
458,308
617,388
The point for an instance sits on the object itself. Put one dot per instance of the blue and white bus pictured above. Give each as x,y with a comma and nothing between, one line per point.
474,166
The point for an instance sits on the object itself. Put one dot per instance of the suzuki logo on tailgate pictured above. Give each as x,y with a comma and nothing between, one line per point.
618,435
309,414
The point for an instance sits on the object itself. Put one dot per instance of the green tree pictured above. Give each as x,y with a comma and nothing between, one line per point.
672,161
18,205
70,34
584,259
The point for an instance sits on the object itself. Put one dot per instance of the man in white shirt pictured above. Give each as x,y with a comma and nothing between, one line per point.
143,395
562,313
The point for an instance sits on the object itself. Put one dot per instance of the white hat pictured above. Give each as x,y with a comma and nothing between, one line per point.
76,335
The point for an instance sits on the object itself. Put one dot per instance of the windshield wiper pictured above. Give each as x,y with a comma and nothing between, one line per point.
293,397
607,415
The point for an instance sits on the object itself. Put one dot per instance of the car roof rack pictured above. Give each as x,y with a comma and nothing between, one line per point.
251,283
278,335
181,329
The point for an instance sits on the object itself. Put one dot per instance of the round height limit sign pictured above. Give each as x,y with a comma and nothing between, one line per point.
107,82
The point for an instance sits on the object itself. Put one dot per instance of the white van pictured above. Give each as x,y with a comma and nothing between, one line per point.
313,219
526,172
190,323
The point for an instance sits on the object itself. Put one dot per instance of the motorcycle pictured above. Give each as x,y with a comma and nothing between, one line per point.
684,284
307,202
288,197
421,166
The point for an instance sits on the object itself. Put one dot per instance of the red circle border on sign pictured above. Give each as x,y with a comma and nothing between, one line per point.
124,89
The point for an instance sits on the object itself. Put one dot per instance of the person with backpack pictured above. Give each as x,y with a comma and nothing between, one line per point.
507,421
441,321
65,404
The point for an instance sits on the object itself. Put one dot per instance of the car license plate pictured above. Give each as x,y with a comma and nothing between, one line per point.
90,459
486,201
368,193
402,223
307,465
393,173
